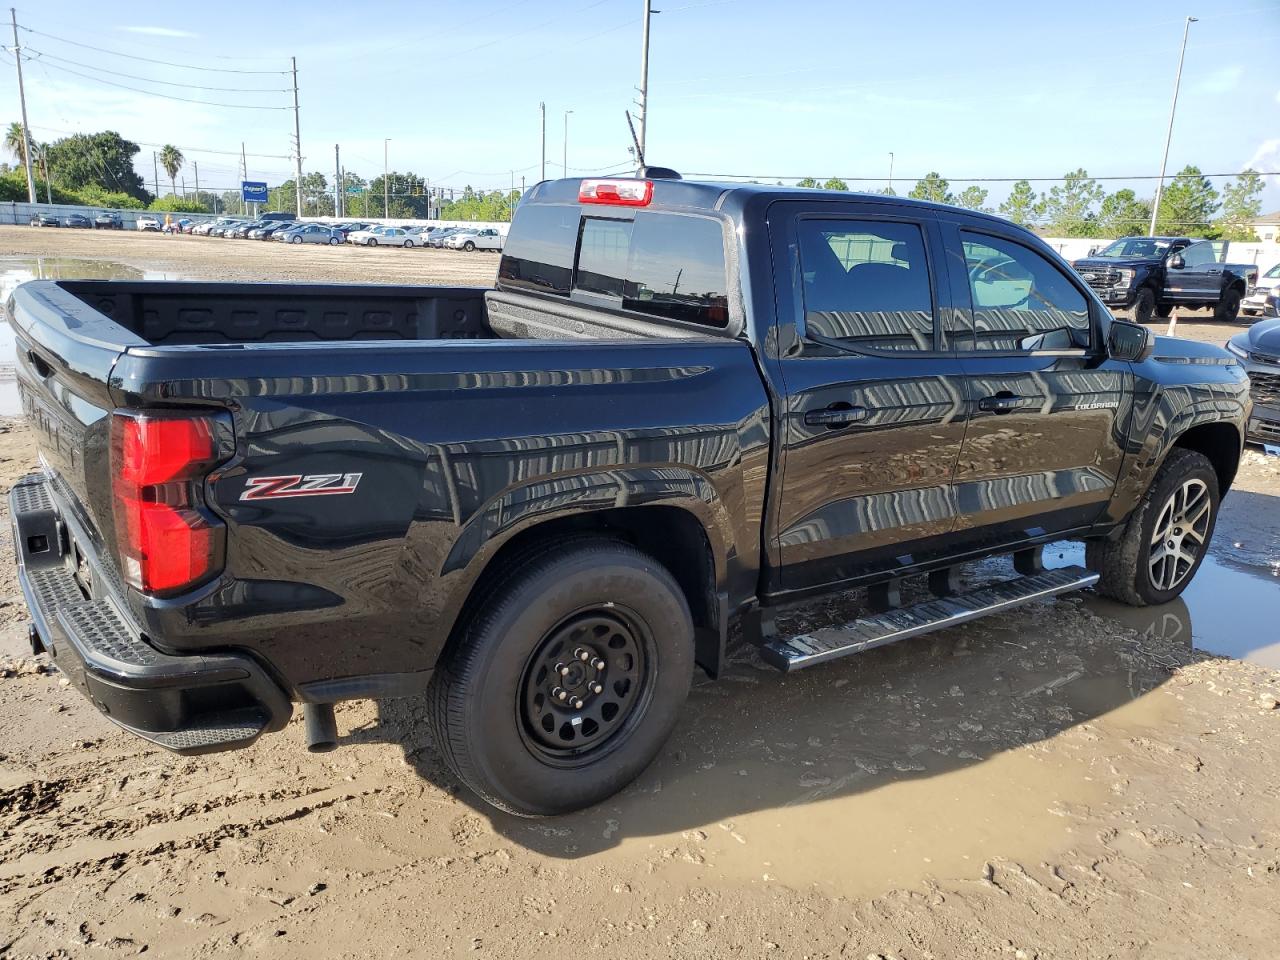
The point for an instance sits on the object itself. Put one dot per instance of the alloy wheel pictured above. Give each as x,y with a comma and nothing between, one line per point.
1181,534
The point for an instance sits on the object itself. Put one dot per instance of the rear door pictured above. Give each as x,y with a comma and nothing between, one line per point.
1044,443
874,412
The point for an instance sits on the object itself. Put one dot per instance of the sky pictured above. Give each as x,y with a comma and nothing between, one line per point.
743,87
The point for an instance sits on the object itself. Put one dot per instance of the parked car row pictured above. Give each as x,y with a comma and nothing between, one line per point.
360,233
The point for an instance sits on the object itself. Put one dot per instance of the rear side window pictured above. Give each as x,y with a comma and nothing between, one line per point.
539,252
867,283
1021,301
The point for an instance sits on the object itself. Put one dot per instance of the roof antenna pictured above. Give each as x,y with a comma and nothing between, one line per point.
635,140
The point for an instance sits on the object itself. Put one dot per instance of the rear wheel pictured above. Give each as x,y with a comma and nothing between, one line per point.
1143,305
1166,538
334,241
568,679
1228,308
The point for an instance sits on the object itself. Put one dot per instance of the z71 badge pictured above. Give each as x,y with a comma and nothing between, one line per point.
311,485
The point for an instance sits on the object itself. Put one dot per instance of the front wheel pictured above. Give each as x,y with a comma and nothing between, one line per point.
1164,310
1228,308
409,244
1166,538
568,679
371,242
295,239
469,247
1144,305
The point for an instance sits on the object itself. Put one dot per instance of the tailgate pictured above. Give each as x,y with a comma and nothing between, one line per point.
66,351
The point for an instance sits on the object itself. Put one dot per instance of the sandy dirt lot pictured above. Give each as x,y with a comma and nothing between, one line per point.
1072,779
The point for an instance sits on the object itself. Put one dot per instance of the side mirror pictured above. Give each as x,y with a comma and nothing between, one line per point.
1092,250
1176,261
1129,341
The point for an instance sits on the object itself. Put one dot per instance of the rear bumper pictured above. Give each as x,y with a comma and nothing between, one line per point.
189,704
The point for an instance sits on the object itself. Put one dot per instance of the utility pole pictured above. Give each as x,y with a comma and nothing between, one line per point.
644,78
386,188
338,185
297,137
48,187
196,166
22,96
542,107
566,142
1168,137
155,172
244,175
891,171
184,187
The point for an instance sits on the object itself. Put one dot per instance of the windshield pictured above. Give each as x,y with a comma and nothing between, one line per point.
1273,273
1139,247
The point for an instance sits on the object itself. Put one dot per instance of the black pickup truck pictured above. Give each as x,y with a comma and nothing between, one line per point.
1152,275
683,406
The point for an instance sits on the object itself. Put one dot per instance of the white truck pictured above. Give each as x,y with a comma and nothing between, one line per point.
488,238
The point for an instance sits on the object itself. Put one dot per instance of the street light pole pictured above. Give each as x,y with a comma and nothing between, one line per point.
542,109
891,171
22,97
1168,137
297,140
566,142
644,82
386,189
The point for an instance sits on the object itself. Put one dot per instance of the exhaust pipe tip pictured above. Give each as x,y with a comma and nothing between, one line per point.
321,727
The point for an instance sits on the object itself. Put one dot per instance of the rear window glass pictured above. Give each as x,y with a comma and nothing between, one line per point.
539,252
677,269
602,256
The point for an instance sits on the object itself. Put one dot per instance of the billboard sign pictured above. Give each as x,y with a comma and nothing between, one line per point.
253,191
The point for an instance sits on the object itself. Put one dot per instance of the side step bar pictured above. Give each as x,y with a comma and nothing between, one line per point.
876,630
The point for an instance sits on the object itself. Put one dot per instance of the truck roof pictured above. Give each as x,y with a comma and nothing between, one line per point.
712,194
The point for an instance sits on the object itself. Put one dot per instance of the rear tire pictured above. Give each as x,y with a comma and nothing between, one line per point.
334,241
1143,305
596,620
1165,538
1228,308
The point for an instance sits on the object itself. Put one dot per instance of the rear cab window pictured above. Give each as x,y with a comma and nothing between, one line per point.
663,265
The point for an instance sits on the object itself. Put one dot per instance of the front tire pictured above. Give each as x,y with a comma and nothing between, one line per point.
1228,308
1166,537
295,239
1144,305
1164,310
469,247
409,244
567,680
371,242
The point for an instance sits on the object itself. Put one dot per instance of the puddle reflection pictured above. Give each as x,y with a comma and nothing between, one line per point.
18,270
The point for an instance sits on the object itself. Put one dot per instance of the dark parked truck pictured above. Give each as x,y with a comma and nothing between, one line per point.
1152,275
683,406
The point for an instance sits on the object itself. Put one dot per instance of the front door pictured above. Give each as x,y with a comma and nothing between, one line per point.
874,408
1198,280
1044,443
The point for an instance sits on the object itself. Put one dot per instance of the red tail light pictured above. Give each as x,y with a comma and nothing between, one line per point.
166,542
622,193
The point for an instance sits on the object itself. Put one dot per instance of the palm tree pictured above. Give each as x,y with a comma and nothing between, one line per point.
171,159
15,143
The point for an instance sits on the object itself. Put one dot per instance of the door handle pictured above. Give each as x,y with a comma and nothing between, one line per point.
835,416
1002,402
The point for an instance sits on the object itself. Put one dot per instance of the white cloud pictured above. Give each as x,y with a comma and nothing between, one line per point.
160,32
1223,80
1266,158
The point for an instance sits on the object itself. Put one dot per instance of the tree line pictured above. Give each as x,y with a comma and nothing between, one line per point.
97,170
1079,206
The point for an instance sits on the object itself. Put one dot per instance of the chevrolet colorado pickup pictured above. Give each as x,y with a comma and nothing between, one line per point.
1152,275
683,406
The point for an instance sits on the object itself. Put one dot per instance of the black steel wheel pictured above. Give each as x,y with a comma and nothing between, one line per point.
568,678
1228,307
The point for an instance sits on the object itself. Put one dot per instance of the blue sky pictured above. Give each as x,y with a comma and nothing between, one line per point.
737,86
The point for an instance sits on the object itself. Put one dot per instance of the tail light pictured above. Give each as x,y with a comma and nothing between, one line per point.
622,193
166,540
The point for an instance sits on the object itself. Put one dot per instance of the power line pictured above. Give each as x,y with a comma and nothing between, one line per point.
1144,176
142,143
130,56
42,55
152,93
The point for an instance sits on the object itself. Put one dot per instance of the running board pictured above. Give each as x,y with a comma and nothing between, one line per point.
876,630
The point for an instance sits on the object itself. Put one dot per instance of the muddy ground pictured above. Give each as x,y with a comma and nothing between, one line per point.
1073,779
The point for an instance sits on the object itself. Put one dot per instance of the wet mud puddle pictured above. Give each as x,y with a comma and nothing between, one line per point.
17,270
